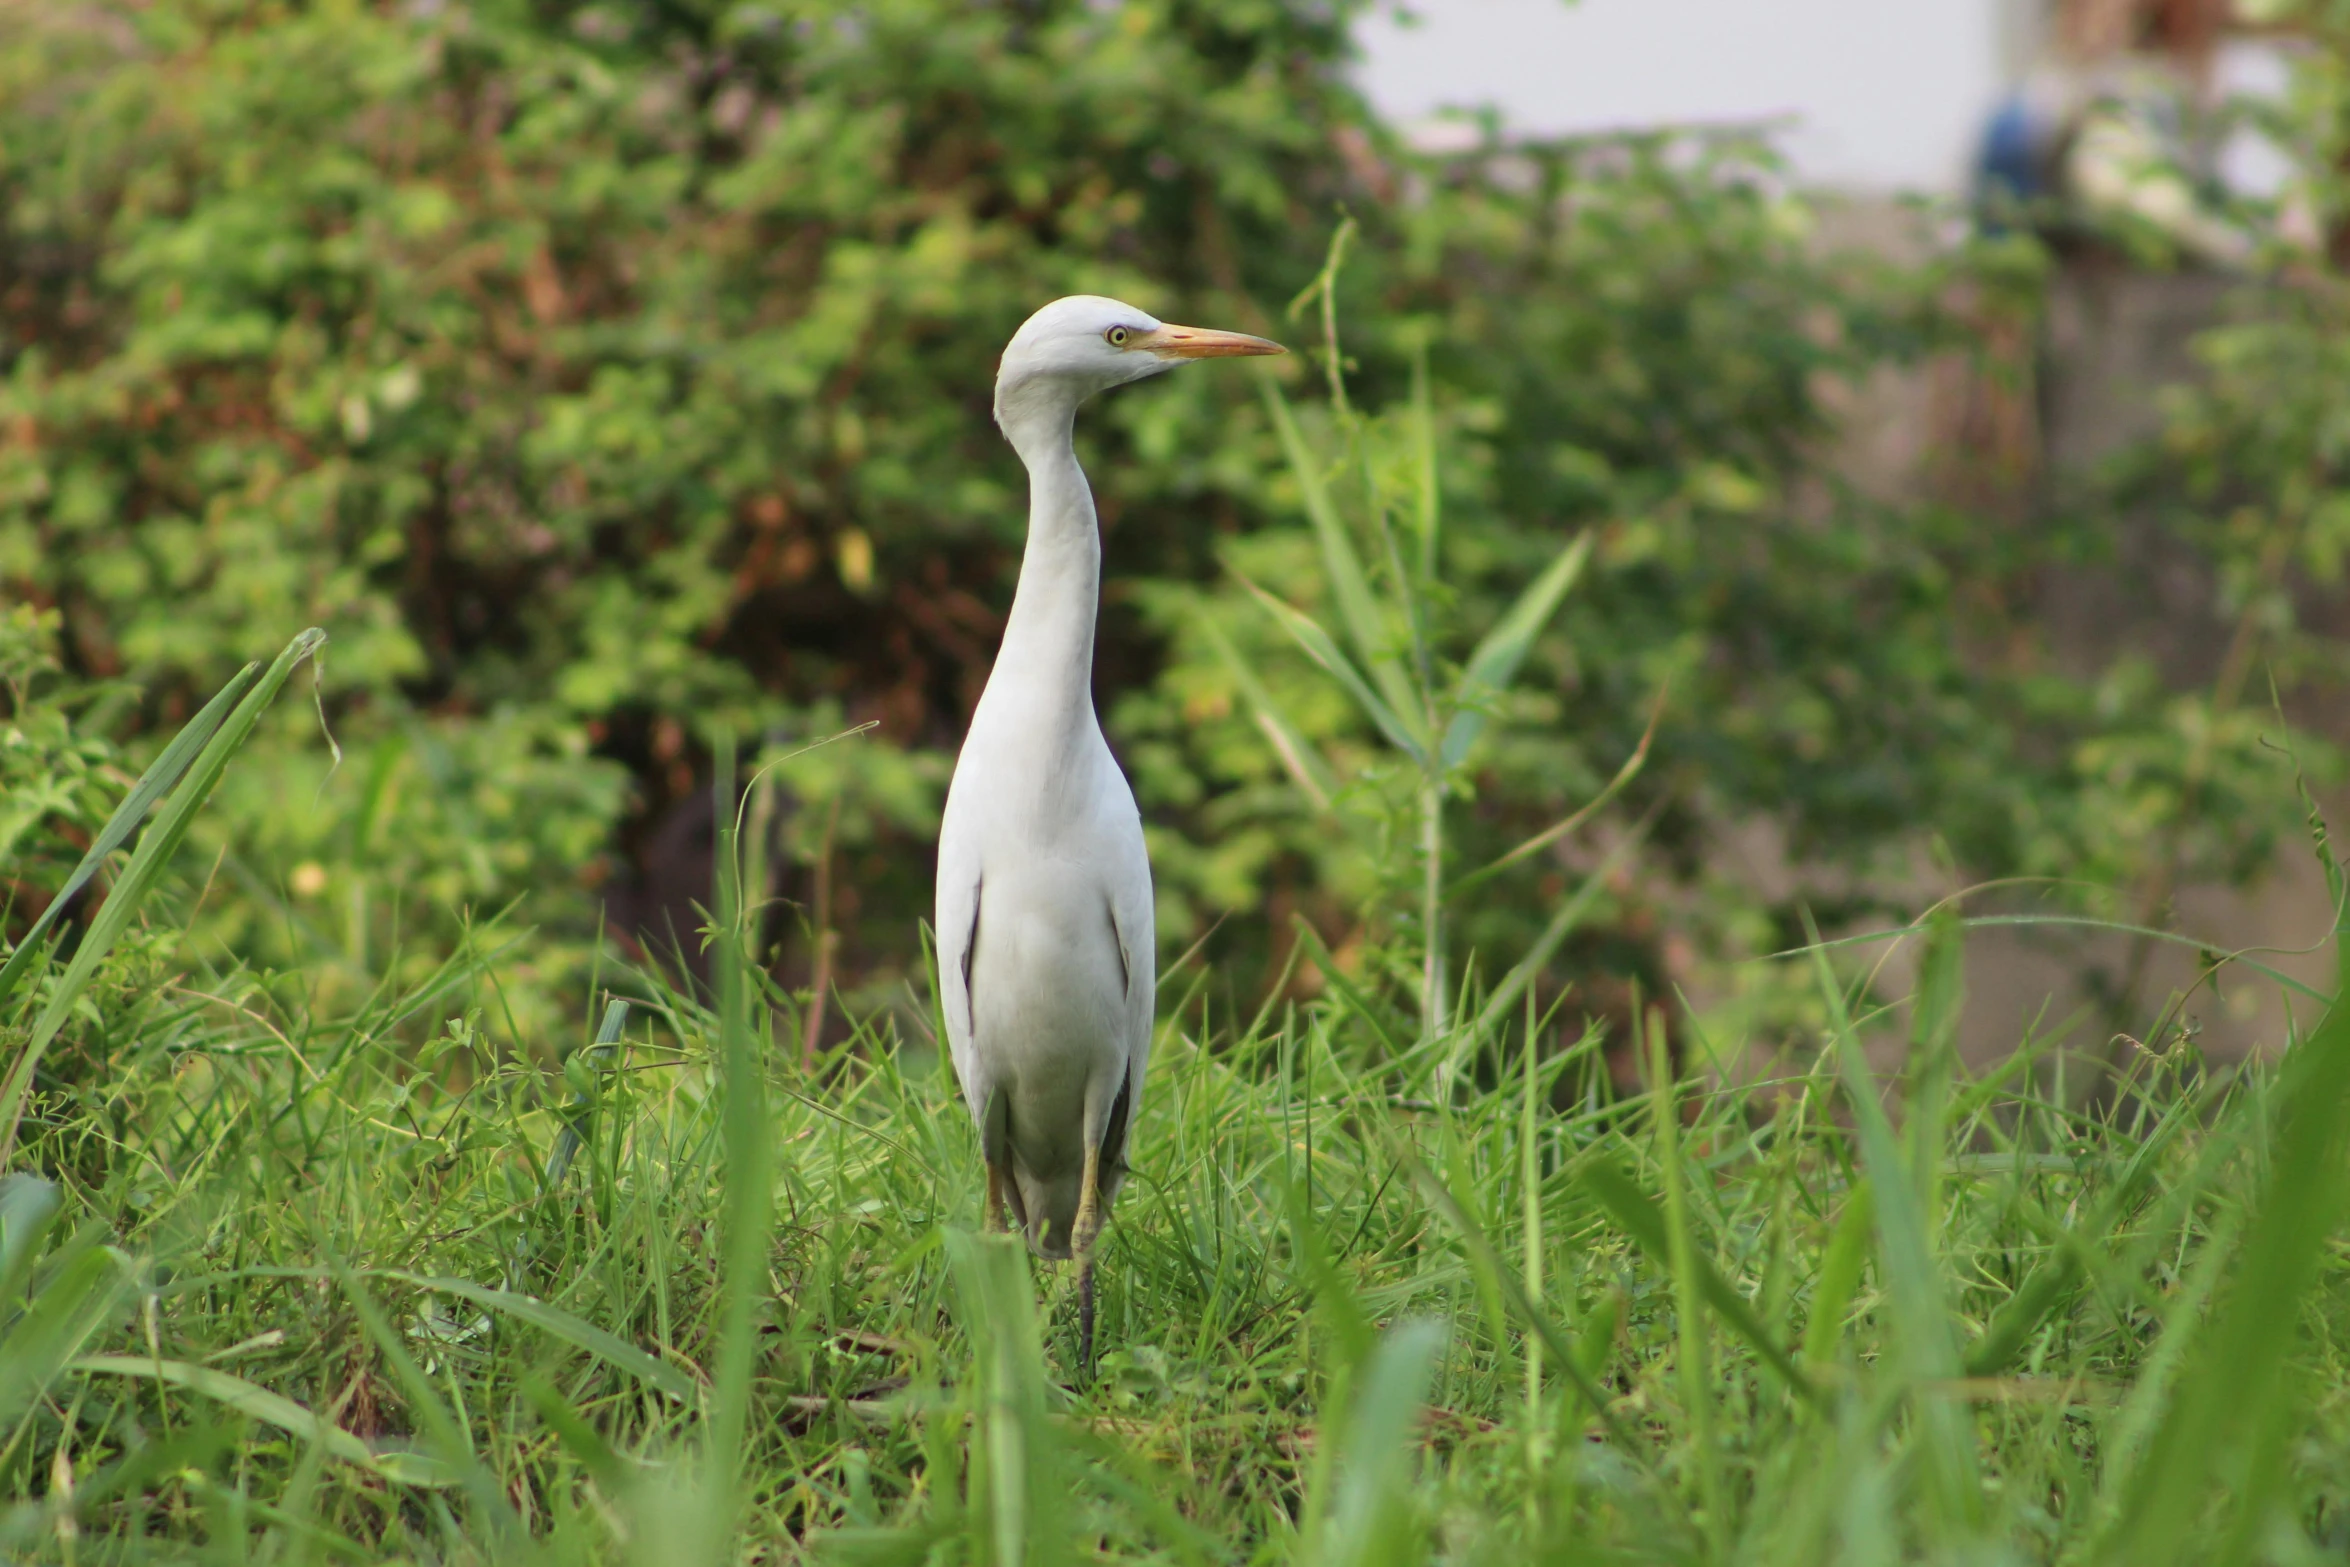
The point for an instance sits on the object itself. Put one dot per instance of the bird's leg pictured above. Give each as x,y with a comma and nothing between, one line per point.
1081,1238
991,1218
1085,1319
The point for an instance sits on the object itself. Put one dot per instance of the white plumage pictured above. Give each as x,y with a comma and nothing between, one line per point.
1045,943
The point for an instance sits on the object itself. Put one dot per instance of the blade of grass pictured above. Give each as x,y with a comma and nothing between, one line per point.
441,1428
748,1194
85,1283
1494,663
1323,651
139,877
560,1324
165,771
1839,1276
2236,1409
2022,1314
1697,1394
1298,755
579,1438
253,1401
1645,1224
582,1105
1371,1519
1555,1341
1923,1328
1350,587
1019,1506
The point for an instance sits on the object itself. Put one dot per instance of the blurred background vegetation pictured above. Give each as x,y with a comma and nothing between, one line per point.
607,377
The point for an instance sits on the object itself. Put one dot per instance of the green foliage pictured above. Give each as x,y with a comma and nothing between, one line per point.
359,1323
610,381
54,775
594,372
607,377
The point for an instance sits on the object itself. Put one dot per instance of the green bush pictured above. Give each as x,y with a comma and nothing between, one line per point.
605,377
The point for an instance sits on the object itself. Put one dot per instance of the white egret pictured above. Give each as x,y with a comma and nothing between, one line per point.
1045,944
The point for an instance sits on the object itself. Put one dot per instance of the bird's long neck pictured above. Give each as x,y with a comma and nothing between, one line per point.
1045,667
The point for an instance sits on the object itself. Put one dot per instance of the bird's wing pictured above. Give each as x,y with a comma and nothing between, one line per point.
1133,918
958,935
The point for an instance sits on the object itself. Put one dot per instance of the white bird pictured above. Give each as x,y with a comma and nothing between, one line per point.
1045,943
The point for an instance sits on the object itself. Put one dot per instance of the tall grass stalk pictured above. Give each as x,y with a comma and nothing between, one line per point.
1389,665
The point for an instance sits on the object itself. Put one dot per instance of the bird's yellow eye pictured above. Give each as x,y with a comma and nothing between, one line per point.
1117,336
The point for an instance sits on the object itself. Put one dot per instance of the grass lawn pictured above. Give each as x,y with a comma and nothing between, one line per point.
301,1280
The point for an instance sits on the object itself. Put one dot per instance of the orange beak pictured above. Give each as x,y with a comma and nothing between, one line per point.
1199,342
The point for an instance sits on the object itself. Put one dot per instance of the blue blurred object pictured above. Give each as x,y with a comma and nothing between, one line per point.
2016,161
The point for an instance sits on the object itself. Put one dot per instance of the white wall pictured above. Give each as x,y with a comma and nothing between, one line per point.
1880,94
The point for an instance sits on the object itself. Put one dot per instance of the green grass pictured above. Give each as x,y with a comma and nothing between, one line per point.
382,1281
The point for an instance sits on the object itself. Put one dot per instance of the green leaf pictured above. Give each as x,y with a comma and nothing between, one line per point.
1350,586
1494,664
146,868
1299,756
1639,1217
2020,1315
165,771
1561,1350
1372,1522
2235,1412
1839,1276
70,1305
259,1403
443,1429
580,1439
558,1323
28,1206
1923,1326
1325,652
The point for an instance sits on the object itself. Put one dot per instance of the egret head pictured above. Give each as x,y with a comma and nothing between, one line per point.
1076,347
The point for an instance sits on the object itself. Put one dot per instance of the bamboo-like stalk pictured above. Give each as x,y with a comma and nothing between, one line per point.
1432,980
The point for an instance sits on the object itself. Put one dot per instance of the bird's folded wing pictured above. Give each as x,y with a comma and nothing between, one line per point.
958,935
1132,917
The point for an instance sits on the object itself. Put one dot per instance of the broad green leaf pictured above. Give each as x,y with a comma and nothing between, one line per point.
1923,1325
1325,652
558,1323
145,869
259,1403
160,775
28,1206
1494,664
72,1303
1350,586
1371,1524
2234,1416
1299,756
